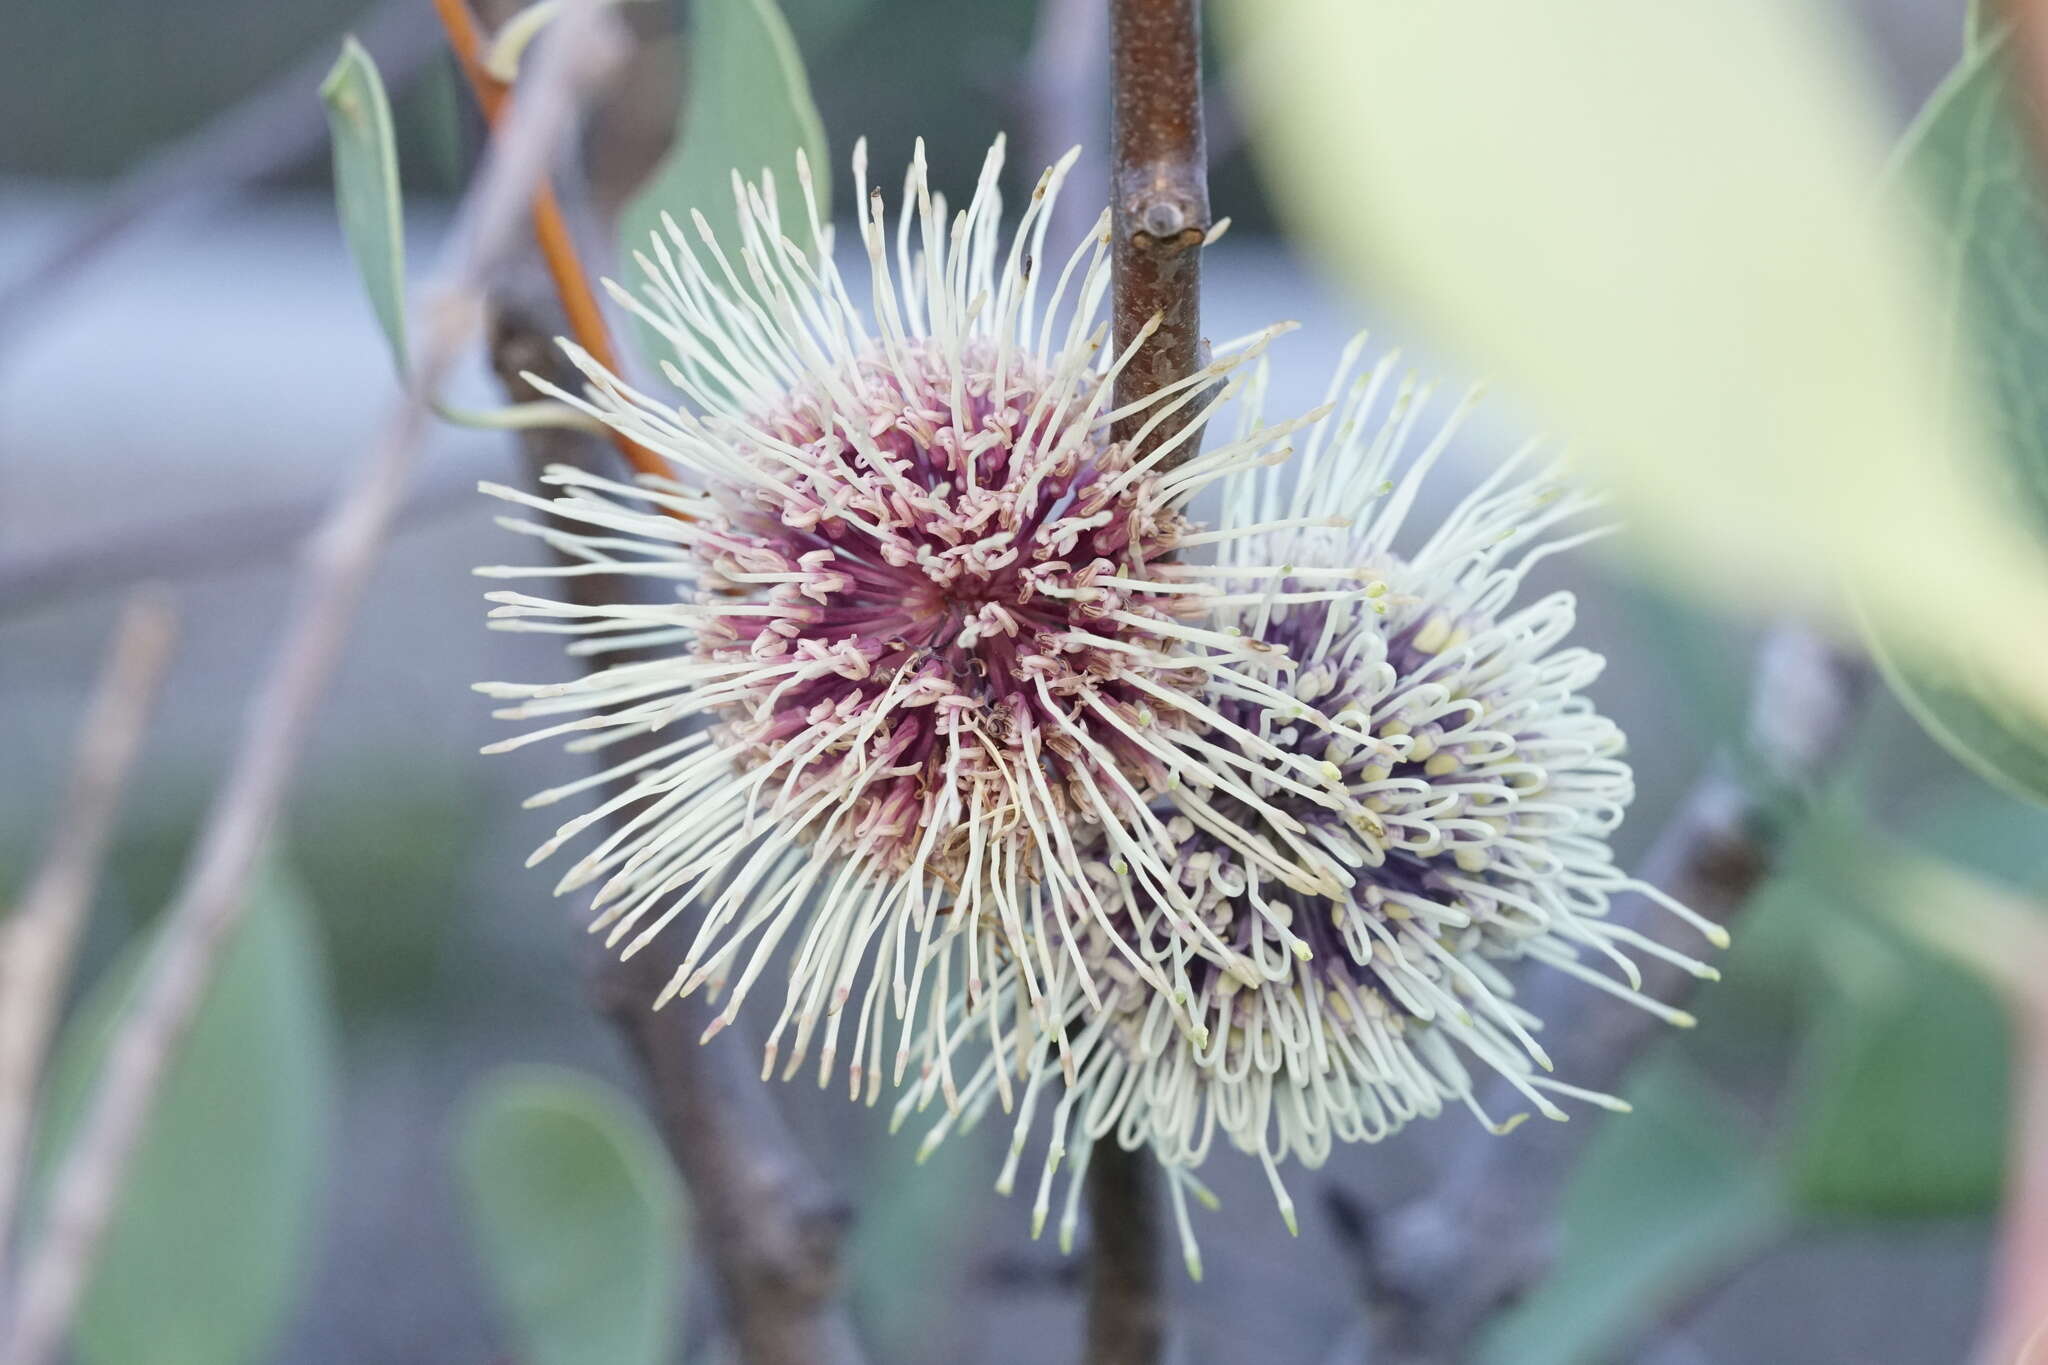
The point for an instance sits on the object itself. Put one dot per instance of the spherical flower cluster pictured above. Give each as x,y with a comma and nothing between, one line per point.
1480,789
920,634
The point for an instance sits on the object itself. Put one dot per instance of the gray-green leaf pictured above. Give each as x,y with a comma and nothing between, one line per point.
1968,158
1907,1111
577,1216
1663,1198
1901,1107
748,109
203,1261
366,190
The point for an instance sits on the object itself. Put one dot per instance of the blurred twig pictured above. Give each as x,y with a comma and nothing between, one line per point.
38,938
773,1226
2015,1328
1437,1271
196,543
340,558
271,131
770,1225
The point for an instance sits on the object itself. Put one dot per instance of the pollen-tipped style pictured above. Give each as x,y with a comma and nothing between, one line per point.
916,635
1482,789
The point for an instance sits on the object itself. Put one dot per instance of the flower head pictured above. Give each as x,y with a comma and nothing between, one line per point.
930,610
1481,788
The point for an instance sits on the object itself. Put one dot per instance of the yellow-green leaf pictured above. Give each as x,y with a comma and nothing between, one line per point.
1658,226
1972,169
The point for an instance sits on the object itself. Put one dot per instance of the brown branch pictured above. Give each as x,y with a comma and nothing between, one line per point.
37,940
339,561
770,1225
1437,1271
270,131
1159,187
1126,1312
773,1227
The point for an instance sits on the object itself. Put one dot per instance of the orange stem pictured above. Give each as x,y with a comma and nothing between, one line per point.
550,227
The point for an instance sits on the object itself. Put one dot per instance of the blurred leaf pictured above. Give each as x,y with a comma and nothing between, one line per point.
2003,939
388,868
1905,1113
202,1264
1896,1102
1664,1198
823,22
1754,1020
577,1216
1898,1105
428,119
1654,222
366,190
747,107
1985,830
1968,157
1670,1196
914,1235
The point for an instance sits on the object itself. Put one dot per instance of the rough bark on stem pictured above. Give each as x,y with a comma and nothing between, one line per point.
1437,1271
1159,190
770,1225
